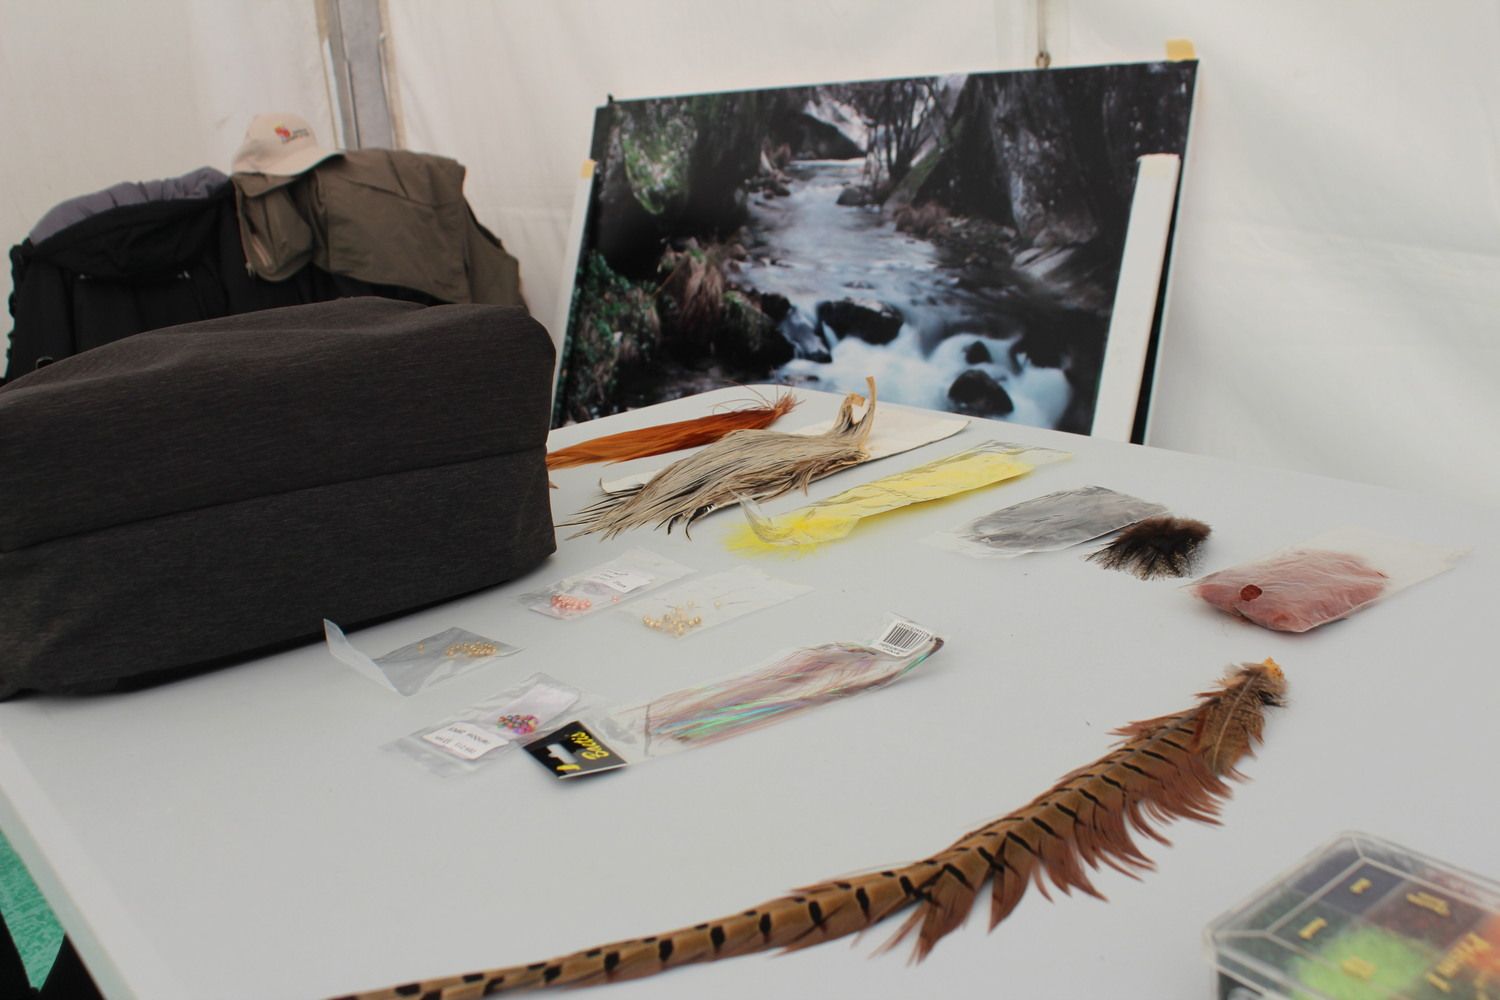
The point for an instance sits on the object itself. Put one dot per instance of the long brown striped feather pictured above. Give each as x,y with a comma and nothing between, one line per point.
1171,767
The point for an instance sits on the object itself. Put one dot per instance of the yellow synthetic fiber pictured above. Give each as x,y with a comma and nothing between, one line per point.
832,519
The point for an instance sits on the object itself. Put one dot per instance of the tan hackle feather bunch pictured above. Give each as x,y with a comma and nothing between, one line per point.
759,464
1171,767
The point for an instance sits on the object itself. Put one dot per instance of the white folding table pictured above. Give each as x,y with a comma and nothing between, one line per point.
241,834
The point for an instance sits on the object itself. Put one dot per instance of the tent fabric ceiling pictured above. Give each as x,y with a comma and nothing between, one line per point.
1336,274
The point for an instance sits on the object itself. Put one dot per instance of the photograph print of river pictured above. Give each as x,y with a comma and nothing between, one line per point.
958,238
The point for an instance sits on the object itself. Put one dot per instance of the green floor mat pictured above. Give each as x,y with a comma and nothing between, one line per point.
32,925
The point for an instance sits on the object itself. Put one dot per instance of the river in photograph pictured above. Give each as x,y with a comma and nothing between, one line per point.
815,252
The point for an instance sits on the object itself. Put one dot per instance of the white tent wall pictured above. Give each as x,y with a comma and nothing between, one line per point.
98,93
1336,273
1335,297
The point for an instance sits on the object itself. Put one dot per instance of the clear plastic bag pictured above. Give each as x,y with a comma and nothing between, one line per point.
706,601
779,688
419,665
1047,523
621,579
478,736
1324,579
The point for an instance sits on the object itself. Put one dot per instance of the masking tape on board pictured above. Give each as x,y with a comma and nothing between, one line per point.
1180,49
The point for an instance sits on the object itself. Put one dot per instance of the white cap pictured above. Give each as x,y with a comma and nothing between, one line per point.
282,145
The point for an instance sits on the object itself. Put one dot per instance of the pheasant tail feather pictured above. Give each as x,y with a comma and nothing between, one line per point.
1171,767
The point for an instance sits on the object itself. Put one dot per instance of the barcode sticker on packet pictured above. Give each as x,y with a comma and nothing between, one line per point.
902,638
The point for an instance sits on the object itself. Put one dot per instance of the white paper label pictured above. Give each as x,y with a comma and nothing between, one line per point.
903,638
465,740
622,580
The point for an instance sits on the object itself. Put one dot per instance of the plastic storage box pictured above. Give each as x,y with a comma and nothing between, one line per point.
1362,919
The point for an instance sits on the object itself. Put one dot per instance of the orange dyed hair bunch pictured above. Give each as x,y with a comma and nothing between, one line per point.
662,438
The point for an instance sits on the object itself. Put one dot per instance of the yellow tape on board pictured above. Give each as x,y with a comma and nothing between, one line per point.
1180,50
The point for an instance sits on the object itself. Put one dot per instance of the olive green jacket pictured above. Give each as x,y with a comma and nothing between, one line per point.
386,216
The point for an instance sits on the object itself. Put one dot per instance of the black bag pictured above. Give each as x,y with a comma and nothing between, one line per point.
210,490
146,267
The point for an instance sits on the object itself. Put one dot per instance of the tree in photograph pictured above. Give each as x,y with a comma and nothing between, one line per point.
901,115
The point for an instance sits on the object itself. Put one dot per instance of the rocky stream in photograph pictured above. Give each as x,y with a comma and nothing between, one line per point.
958,238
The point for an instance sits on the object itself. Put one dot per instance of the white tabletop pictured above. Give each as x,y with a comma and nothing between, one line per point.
241,834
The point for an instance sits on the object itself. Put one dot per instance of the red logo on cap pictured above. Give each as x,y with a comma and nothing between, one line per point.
286,135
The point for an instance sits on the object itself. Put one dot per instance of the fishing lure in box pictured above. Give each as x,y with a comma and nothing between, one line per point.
1362,919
